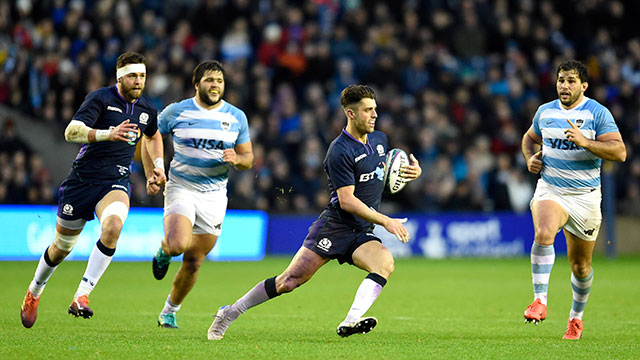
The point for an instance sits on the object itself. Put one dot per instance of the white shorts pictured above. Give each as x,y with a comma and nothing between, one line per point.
205,210
584,212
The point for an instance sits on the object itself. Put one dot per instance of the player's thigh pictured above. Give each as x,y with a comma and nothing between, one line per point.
372,256
548,217
178,231
304,264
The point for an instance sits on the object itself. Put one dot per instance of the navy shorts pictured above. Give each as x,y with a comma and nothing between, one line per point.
78,199
332,239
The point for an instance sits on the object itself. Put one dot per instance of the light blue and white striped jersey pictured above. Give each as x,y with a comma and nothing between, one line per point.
565,165
199,137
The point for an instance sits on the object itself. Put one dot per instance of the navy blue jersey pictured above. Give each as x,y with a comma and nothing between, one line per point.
350,162
109,160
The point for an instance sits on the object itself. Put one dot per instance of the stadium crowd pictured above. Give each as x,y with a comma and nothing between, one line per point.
458,82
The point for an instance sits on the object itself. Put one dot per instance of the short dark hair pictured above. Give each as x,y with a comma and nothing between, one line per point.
576,65
129,57
352,94
209,65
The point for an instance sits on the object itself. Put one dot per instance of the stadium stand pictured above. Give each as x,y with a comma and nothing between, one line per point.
458,83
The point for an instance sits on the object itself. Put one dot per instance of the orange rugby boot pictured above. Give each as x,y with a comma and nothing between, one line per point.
574,330
29,310
536,312
80,307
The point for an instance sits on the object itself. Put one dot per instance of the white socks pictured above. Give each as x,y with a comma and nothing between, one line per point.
42,275
99,260
365,297
170,307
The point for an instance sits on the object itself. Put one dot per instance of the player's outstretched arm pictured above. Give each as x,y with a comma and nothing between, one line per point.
79,132
152,148
349,202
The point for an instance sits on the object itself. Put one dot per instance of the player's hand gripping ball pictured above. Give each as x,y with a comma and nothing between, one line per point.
393,182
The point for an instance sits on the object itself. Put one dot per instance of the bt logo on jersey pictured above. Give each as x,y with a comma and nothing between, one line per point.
377,173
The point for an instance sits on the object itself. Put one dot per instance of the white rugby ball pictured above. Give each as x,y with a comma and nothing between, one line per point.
396,158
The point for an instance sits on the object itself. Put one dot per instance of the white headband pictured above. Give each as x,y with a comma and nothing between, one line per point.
130,68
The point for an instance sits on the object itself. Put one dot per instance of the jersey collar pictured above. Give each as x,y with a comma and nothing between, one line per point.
367,147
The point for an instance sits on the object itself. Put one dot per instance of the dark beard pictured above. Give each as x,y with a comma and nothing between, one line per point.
206,100
129,95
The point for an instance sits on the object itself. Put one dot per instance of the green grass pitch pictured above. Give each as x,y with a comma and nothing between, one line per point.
444,309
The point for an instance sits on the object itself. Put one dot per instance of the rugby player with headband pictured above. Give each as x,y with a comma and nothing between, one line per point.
108,124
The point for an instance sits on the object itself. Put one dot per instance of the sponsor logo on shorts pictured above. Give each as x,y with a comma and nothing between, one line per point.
589,231
218,226
324,244
118,186
143,118
113,108
67,209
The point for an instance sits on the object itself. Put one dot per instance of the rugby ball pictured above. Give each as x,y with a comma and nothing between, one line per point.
393,182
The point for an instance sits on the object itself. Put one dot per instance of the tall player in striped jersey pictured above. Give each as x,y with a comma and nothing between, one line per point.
209,135
575,133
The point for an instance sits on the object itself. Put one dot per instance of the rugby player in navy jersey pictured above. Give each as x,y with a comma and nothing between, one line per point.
108,124
344,230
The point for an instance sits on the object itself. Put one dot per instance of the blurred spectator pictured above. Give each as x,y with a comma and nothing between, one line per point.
10,142
23,178
458,83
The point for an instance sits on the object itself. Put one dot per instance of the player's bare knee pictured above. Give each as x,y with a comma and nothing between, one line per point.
545,235
174,247
581,269
389,267
111,231
386,268
176,251
112,219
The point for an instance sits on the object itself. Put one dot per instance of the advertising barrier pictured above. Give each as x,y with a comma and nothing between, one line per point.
28,230
248,235
432,236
